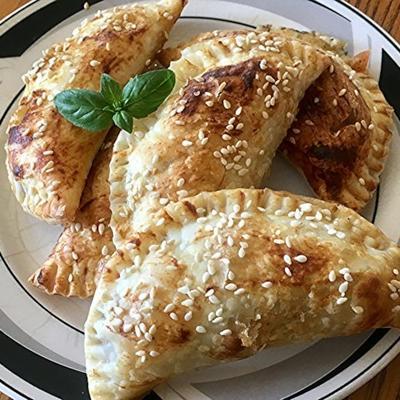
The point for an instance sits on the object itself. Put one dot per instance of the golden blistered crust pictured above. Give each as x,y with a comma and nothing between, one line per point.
48,158
340,139
231,107
72,267
222,275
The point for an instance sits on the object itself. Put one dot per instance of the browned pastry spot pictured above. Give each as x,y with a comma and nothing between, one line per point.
327,140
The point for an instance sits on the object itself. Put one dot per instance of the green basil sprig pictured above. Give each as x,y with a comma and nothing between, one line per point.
96,111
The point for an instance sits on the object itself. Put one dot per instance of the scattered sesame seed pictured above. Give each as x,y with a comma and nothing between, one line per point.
86,5
186,143
266,284
300,258
154,353
343,287
74,255
342,92
94,63
396,309
335,102
226,104
239,291
362,181
371,126
347,277
226,332
341,300
169,307
200,329
173,316
288,272
357,309
395,271
238,111
231,287
357,126
287,259
394,296
104,250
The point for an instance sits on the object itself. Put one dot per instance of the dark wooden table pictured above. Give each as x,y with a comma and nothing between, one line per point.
386,385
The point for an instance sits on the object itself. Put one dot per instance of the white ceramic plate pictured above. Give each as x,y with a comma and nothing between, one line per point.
42,340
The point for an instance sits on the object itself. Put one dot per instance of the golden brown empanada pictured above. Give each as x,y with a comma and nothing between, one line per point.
231,107
340,139
330,44
72,267
229,273
48,158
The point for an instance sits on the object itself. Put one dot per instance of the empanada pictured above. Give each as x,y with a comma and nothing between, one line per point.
341,136
48,159
229,273
72,267
231,107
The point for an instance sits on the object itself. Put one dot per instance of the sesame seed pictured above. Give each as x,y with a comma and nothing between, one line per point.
238,111
154,353
225,136
226,104
395,271
74,256
209,103
335,102
231,287
357,309
362,181
331,68
300,258
370,127
104,250
148,336
86,5
217,320
288,272
187,303
169,307
140,353
347,277
344,271
309,122
94,63
343,287
117,28
214,299
396,309
200,329
265,115
394,296
279,241
357,126
226,332
287,259
266,284
173,316
341,300
186,143
342,92
239,291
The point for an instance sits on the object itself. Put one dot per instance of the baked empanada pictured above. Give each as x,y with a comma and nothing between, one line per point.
323,42
232,104
341,136
48,159
72,267
229,273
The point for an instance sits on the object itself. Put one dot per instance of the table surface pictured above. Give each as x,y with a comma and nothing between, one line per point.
386,385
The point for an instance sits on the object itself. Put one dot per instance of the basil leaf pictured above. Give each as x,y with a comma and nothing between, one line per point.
143,94
84,108
123,120
110,90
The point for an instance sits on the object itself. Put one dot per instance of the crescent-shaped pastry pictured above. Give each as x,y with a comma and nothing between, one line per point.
222,275
72,267
48,159
342,132
231,107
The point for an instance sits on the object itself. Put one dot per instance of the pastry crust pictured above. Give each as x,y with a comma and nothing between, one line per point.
48,158
340,139
229,273
230,109
323,42
72,267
